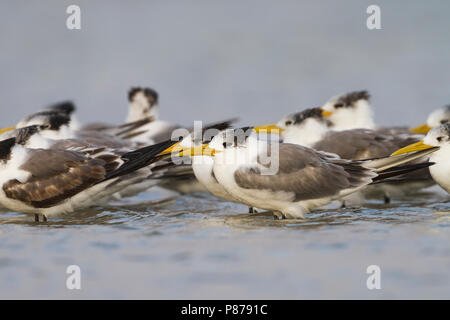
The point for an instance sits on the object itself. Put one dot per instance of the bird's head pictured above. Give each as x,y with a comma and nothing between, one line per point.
349,111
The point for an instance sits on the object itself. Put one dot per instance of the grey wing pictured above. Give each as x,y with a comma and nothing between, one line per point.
166,134
358,144
394,131
143,134
307,174
104,139
97,126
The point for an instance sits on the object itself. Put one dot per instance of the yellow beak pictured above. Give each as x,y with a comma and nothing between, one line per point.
423,129
174,148
204,150
6,129
412,147
325,113
268,129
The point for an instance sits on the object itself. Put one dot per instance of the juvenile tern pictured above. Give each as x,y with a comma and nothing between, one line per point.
162,173
49,182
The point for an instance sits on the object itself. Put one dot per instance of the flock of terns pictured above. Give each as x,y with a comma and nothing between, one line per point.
50,165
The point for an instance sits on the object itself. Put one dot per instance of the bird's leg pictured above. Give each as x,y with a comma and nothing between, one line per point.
343,204
252,210
387,199
278,215
36,217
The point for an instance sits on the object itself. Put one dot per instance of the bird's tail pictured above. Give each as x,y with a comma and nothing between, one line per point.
382,164
397,172
140,158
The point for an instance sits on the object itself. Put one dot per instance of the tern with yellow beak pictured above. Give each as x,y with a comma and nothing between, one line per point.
50,182
288,179
202,165
437,138
353,110
435,119
2,131
309,128
349,111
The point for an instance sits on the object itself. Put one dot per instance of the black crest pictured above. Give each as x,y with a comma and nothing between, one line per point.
209,131
150,94
58,120
5,148
306,114
349,99
64,107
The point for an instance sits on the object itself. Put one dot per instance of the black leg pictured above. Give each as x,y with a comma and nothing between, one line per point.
44,217
278,215
250,210
36,217
387,200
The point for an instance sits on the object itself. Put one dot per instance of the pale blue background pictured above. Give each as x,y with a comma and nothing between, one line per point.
215,59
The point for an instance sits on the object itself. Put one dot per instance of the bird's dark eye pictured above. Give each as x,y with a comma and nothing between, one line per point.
227,144
439,139
288,123
444,121
339,105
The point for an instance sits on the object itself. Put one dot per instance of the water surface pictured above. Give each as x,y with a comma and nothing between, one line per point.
164,247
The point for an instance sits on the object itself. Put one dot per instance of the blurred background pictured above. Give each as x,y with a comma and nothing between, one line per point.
211,60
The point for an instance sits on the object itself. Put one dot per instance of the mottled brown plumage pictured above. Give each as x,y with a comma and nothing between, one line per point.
55,176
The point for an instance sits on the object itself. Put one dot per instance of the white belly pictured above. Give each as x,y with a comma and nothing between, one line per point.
440,171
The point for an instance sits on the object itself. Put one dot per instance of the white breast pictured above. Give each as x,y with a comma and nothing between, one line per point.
440,171
203,170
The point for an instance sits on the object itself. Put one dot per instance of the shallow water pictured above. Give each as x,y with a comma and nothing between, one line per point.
258,60
161,246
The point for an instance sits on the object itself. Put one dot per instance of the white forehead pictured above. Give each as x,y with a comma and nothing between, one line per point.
141,99
288,117
229,134
35,120
435,118
218,139
329,105
440,130
187,141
